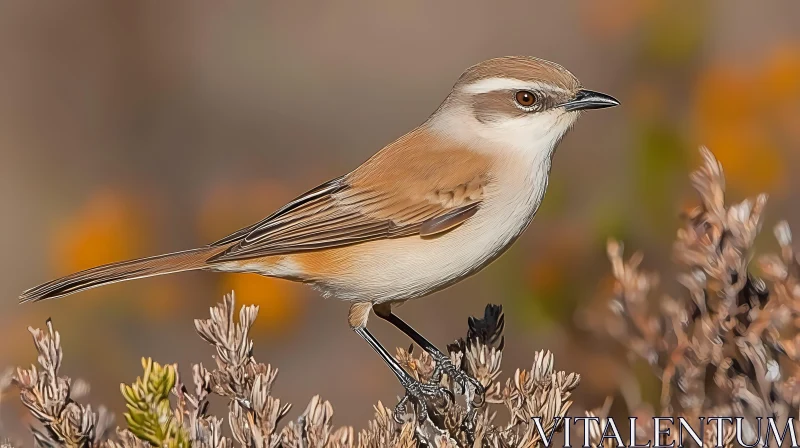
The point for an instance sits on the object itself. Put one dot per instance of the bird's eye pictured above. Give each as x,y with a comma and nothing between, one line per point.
525,98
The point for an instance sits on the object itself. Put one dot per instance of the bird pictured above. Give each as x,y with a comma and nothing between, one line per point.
426,211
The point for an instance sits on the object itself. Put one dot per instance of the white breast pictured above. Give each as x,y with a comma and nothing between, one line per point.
408,268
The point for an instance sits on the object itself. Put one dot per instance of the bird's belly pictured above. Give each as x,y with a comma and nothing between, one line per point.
411,267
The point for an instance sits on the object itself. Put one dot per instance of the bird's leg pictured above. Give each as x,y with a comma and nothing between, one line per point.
443,362
415,390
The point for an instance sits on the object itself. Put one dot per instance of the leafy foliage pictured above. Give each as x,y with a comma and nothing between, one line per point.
149,413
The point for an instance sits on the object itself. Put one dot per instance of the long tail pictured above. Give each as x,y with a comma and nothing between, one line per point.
119,272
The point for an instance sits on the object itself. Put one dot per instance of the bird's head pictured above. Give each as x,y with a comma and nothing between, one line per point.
523,102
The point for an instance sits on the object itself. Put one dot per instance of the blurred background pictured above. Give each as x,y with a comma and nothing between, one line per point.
134,128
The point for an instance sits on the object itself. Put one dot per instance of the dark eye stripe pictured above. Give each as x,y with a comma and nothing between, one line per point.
496,104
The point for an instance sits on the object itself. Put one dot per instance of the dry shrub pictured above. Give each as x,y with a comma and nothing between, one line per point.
164,411
729,346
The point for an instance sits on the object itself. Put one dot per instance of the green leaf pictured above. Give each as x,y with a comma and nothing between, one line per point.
150,416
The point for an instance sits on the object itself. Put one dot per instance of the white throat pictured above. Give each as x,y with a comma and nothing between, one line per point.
534,137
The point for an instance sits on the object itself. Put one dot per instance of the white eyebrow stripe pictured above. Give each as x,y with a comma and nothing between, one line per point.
492,84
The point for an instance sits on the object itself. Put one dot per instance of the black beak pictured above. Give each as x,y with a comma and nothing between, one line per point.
587,99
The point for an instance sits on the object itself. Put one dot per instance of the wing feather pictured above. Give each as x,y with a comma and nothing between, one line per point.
444,188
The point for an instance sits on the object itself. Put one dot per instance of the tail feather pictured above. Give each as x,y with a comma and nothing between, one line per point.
118,272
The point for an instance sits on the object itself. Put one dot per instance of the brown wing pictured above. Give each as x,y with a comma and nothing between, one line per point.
412,187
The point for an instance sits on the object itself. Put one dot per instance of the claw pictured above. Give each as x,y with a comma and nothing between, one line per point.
433,393
445,365
420,395
480,392
422,413
447,396
479,399
400,410
420,410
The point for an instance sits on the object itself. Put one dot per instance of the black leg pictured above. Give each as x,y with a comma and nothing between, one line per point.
397,369
443,362
414,389
411,333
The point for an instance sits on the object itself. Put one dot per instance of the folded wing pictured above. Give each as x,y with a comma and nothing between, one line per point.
405,190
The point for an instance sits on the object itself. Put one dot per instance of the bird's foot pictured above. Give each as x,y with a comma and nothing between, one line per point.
446,366
420,395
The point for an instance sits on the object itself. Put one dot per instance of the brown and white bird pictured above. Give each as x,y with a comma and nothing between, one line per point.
426,211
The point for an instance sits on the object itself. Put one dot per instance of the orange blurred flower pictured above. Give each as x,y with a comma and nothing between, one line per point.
280,301
743,113
229,207
781,75
725,95
110,226
782,86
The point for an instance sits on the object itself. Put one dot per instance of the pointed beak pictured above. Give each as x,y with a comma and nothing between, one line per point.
587,99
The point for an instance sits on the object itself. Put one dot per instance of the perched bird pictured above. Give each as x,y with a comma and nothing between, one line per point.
426,211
